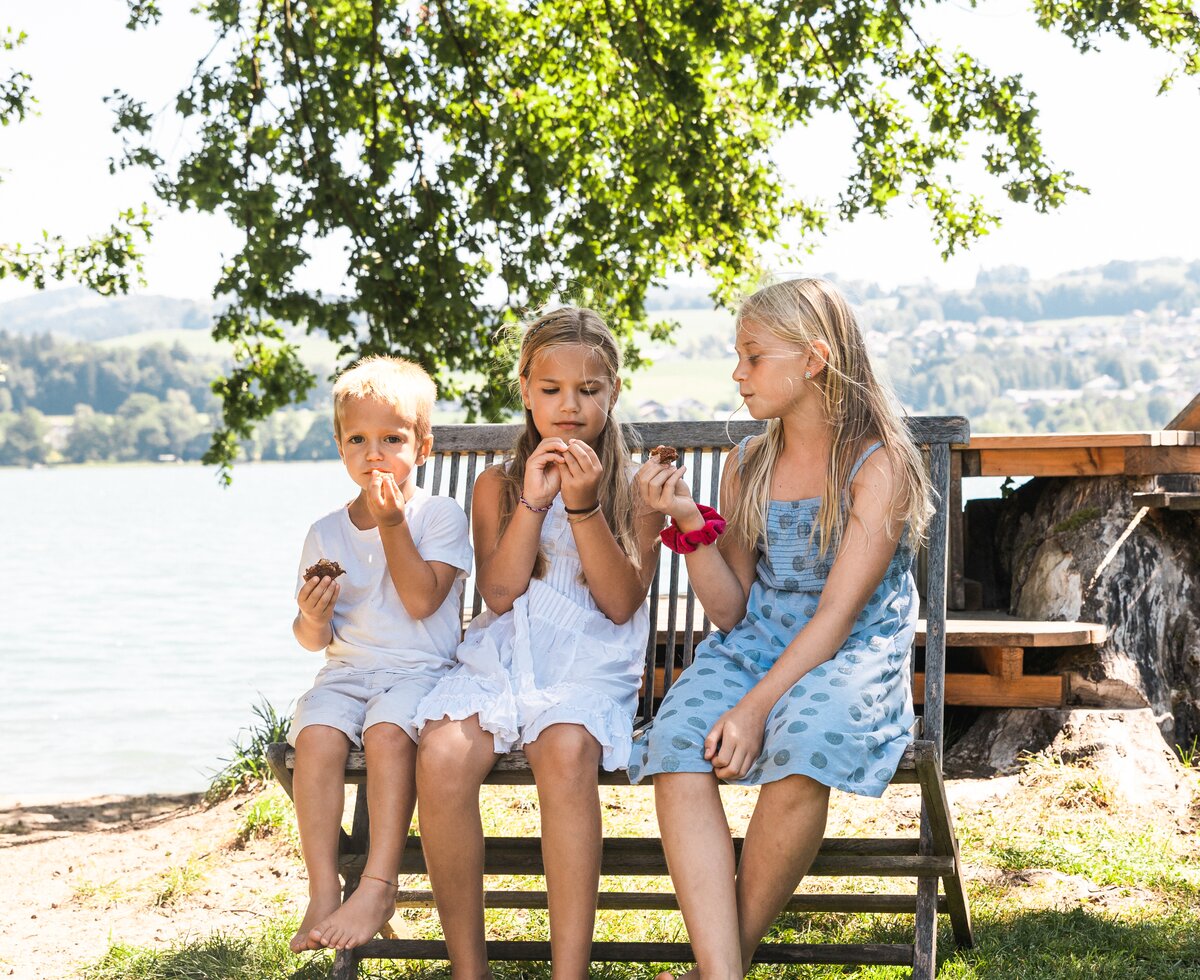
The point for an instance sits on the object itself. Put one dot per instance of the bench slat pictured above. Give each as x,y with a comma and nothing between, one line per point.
883,857
858,954
657,901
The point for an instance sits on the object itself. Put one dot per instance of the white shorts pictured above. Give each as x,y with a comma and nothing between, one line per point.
352,700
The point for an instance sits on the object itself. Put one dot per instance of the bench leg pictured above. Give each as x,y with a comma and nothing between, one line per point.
345,965
925,940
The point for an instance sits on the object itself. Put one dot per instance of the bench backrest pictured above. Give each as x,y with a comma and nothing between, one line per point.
462,452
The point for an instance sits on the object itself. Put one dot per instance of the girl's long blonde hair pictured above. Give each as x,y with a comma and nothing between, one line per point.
564,327
860,410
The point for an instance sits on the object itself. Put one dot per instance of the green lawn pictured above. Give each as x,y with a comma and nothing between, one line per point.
1066,881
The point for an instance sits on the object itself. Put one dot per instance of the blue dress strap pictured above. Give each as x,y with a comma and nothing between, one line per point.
862,459
741,448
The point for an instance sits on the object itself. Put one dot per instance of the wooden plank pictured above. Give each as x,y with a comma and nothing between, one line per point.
984,690
642,901
1167,501
857,954
500,437
1164,459
1189,418
1066,440
1099,461
885,857
993,629
1004,662
944,840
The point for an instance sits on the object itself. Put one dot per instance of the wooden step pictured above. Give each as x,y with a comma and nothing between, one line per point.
988,691
1162,500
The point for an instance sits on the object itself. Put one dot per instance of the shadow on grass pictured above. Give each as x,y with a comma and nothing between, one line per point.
1071,944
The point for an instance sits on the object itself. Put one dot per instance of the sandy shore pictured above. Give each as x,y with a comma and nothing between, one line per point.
137,869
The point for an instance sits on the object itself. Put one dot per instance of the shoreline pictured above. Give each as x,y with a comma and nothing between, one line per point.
28,818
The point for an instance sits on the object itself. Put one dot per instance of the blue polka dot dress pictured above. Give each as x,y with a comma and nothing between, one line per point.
846,722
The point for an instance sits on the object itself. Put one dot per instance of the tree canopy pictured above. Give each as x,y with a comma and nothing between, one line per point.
473,156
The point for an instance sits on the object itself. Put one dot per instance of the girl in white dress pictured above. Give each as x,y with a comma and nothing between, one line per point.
564,561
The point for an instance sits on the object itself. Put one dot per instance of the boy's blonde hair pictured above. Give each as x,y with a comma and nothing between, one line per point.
569,326
860,410
404,385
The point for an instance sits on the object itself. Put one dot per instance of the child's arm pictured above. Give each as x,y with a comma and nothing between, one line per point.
618,586
503,566
721,576
870,540
422,585
312,625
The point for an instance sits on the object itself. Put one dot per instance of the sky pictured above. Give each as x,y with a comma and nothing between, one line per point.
1101,118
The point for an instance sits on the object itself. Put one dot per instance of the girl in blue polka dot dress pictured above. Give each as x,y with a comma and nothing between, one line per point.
804,685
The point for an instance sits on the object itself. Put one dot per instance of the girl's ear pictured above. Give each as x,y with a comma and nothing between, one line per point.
525,392
819,353
612,402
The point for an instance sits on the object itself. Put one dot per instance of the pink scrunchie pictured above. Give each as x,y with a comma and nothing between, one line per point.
685,542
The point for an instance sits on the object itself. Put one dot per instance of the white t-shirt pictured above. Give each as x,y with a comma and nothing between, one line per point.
371,628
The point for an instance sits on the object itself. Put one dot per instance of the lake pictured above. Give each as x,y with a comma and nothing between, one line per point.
147,611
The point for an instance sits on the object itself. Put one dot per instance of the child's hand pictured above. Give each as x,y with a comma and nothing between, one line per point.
543,472
385,499
662,488
316,599
735,742
580,471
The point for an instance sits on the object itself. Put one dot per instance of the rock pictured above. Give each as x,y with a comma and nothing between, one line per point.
1079,549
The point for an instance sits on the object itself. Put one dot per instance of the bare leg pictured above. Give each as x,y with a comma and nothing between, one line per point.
319,793
453,759
699,849
784,836
565,760
391,794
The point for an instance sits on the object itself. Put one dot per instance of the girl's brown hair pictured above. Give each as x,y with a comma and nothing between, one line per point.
564,327
860,410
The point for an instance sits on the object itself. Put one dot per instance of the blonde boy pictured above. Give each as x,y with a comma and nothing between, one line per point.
389,627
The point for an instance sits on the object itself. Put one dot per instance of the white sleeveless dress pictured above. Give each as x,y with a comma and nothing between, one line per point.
553,658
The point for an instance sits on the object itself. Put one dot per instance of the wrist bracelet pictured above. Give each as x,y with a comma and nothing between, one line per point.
582,510
685,542
536,510
580,518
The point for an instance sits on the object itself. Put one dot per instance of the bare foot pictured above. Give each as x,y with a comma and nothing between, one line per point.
360,917
693,974
320,908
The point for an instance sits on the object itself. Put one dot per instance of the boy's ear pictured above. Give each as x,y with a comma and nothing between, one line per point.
338,442
818,357
425,449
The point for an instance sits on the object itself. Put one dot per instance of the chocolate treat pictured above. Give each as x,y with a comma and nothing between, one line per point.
664,454
324,568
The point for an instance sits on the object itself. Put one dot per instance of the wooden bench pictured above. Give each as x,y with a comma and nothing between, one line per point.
462,452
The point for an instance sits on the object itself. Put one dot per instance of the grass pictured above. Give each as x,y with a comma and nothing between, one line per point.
1066,881
247,768
269,814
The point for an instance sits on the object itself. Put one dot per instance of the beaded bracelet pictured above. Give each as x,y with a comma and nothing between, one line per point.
580,518
536,510
685,542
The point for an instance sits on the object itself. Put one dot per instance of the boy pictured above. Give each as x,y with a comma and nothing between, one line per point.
389,627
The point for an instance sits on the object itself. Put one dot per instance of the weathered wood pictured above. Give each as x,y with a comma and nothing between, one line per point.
1167,501
856,954
984,629
935,617
1078,440
884,857
986,691
1007,663
941,829
1162,460
653,901
1189,418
